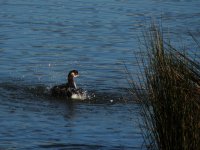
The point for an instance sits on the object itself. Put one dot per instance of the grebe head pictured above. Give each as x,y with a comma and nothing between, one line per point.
73,73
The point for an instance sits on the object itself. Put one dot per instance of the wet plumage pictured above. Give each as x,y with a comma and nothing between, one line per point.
68,89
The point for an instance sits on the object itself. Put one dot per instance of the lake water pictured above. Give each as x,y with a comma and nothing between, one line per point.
40,41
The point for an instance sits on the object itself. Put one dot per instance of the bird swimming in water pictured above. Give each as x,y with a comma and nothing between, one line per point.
69,89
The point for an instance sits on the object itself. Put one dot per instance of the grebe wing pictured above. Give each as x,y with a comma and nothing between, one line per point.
60,87
59,90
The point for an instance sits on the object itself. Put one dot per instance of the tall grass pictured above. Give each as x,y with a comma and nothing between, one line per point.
170,99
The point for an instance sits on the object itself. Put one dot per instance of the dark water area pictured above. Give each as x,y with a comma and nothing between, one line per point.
40,41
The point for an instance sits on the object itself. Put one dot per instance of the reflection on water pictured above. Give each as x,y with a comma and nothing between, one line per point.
40,41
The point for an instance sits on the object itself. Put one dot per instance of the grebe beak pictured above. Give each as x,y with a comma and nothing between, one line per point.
74,75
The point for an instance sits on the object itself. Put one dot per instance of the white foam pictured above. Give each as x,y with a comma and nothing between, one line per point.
81,96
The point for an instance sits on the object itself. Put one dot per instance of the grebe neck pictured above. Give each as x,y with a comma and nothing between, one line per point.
71,82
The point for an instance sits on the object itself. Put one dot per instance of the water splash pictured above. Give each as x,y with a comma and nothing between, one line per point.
23,90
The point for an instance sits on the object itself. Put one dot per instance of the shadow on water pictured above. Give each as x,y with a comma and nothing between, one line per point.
81,146
21,90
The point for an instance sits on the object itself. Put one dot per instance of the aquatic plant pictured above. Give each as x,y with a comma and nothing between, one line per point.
169,93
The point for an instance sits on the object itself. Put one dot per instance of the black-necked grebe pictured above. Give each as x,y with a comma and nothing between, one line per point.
69,89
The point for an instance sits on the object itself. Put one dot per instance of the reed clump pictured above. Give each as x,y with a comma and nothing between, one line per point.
170,95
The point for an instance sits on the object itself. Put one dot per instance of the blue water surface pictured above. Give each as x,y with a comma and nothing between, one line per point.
41,40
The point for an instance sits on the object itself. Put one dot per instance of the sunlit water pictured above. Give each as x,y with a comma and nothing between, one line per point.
40,41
